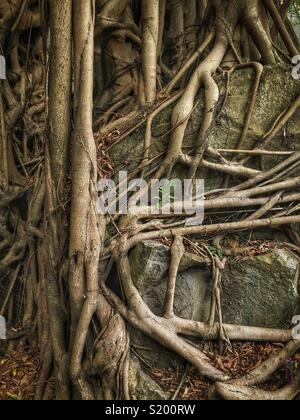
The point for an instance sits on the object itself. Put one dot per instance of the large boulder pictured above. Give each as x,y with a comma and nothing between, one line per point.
261,291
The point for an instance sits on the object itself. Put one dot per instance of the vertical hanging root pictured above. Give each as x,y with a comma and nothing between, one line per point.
216,279
3,145
150,119
44,332
211,100
177,252
216,307
150,18
281,27
56,313
87,227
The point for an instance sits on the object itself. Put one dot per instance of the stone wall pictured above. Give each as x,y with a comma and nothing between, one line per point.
277,91
257,290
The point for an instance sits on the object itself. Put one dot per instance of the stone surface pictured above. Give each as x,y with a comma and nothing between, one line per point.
261,291
141,386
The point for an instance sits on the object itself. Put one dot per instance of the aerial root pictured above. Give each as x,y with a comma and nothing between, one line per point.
177,253
216,307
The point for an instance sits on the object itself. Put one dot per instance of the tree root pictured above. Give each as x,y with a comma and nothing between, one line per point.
243,393
177,253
